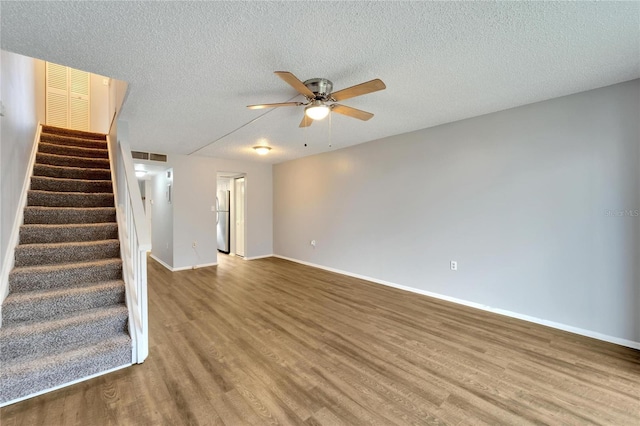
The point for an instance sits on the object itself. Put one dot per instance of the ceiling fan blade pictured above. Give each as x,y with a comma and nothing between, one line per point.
358,90
351,112
293,81
281,104
306,121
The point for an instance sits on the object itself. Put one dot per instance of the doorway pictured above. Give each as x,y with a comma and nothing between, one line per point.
154,181
233,186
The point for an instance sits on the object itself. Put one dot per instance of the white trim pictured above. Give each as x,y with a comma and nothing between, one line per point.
9,256
552,324
182,268
154,257
259,257
185,268
64,385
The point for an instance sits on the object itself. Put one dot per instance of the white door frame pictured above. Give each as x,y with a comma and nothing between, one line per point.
244,218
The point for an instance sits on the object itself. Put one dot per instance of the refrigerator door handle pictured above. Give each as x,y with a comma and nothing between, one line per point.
217,210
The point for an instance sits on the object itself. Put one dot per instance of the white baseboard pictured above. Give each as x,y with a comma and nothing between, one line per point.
182,268
552,324
9,257
55,388
154,257
186,268
259,257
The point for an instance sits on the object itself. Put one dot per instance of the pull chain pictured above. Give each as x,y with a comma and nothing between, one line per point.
330,130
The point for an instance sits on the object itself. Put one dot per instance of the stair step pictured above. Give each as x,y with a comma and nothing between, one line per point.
68,215
32,278
59,233
24,377
51,253
72,151
69,199
71,172
32,339
42,183
73,133
46,304
72,141
63,160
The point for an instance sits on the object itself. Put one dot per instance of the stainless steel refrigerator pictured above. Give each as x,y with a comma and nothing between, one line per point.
223,220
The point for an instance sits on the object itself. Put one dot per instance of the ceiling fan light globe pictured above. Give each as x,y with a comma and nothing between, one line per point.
317,111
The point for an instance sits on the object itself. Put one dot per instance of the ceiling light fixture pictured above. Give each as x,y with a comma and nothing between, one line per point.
262,149
140,173
317,110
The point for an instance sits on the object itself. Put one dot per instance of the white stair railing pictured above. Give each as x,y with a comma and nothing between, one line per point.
134,243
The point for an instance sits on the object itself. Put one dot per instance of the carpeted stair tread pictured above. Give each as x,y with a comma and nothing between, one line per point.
36,339
77,251
63,160
30,278
69,199
71,172
68,215
59,233
72,151
72,141
50,303
44,183
73,133
24,377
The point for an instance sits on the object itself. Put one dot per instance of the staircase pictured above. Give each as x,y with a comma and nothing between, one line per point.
65,317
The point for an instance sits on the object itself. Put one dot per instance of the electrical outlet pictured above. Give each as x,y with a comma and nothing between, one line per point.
454,265
194,244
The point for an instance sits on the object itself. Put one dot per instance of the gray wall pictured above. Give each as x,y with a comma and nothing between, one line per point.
162,218
527,201
18,80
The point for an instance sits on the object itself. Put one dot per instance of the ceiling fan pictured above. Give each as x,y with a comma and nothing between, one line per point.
320,99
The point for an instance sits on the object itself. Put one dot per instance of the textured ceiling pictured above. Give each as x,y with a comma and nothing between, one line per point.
194,66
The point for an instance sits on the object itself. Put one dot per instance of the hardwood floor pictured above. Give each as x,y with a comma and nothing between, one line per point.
274,342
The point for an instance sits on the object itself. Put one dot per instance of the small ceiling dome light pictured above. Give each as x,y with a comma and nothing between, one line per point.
317,110
140,173
262,150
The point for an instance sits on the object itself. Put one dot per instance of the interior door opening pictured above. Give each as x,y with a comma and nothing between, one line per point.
231,213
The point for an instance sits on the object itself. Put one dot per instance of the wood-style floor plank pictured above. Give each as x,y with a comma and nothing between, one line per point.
274,342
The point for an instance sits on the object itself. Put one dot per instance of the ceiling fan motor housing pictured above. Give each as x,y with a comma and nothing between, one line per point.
321,87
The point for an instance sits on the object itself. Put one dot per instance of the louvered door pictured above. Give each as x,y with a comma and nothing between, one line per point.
67,103
57,95
78,99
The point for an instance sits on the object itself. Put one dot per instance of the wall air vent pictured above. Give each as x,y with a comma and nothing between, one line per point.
158,157
138,155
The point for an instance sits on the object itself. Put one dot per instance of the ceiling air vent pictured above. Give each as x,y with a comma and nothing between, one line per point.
138,155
